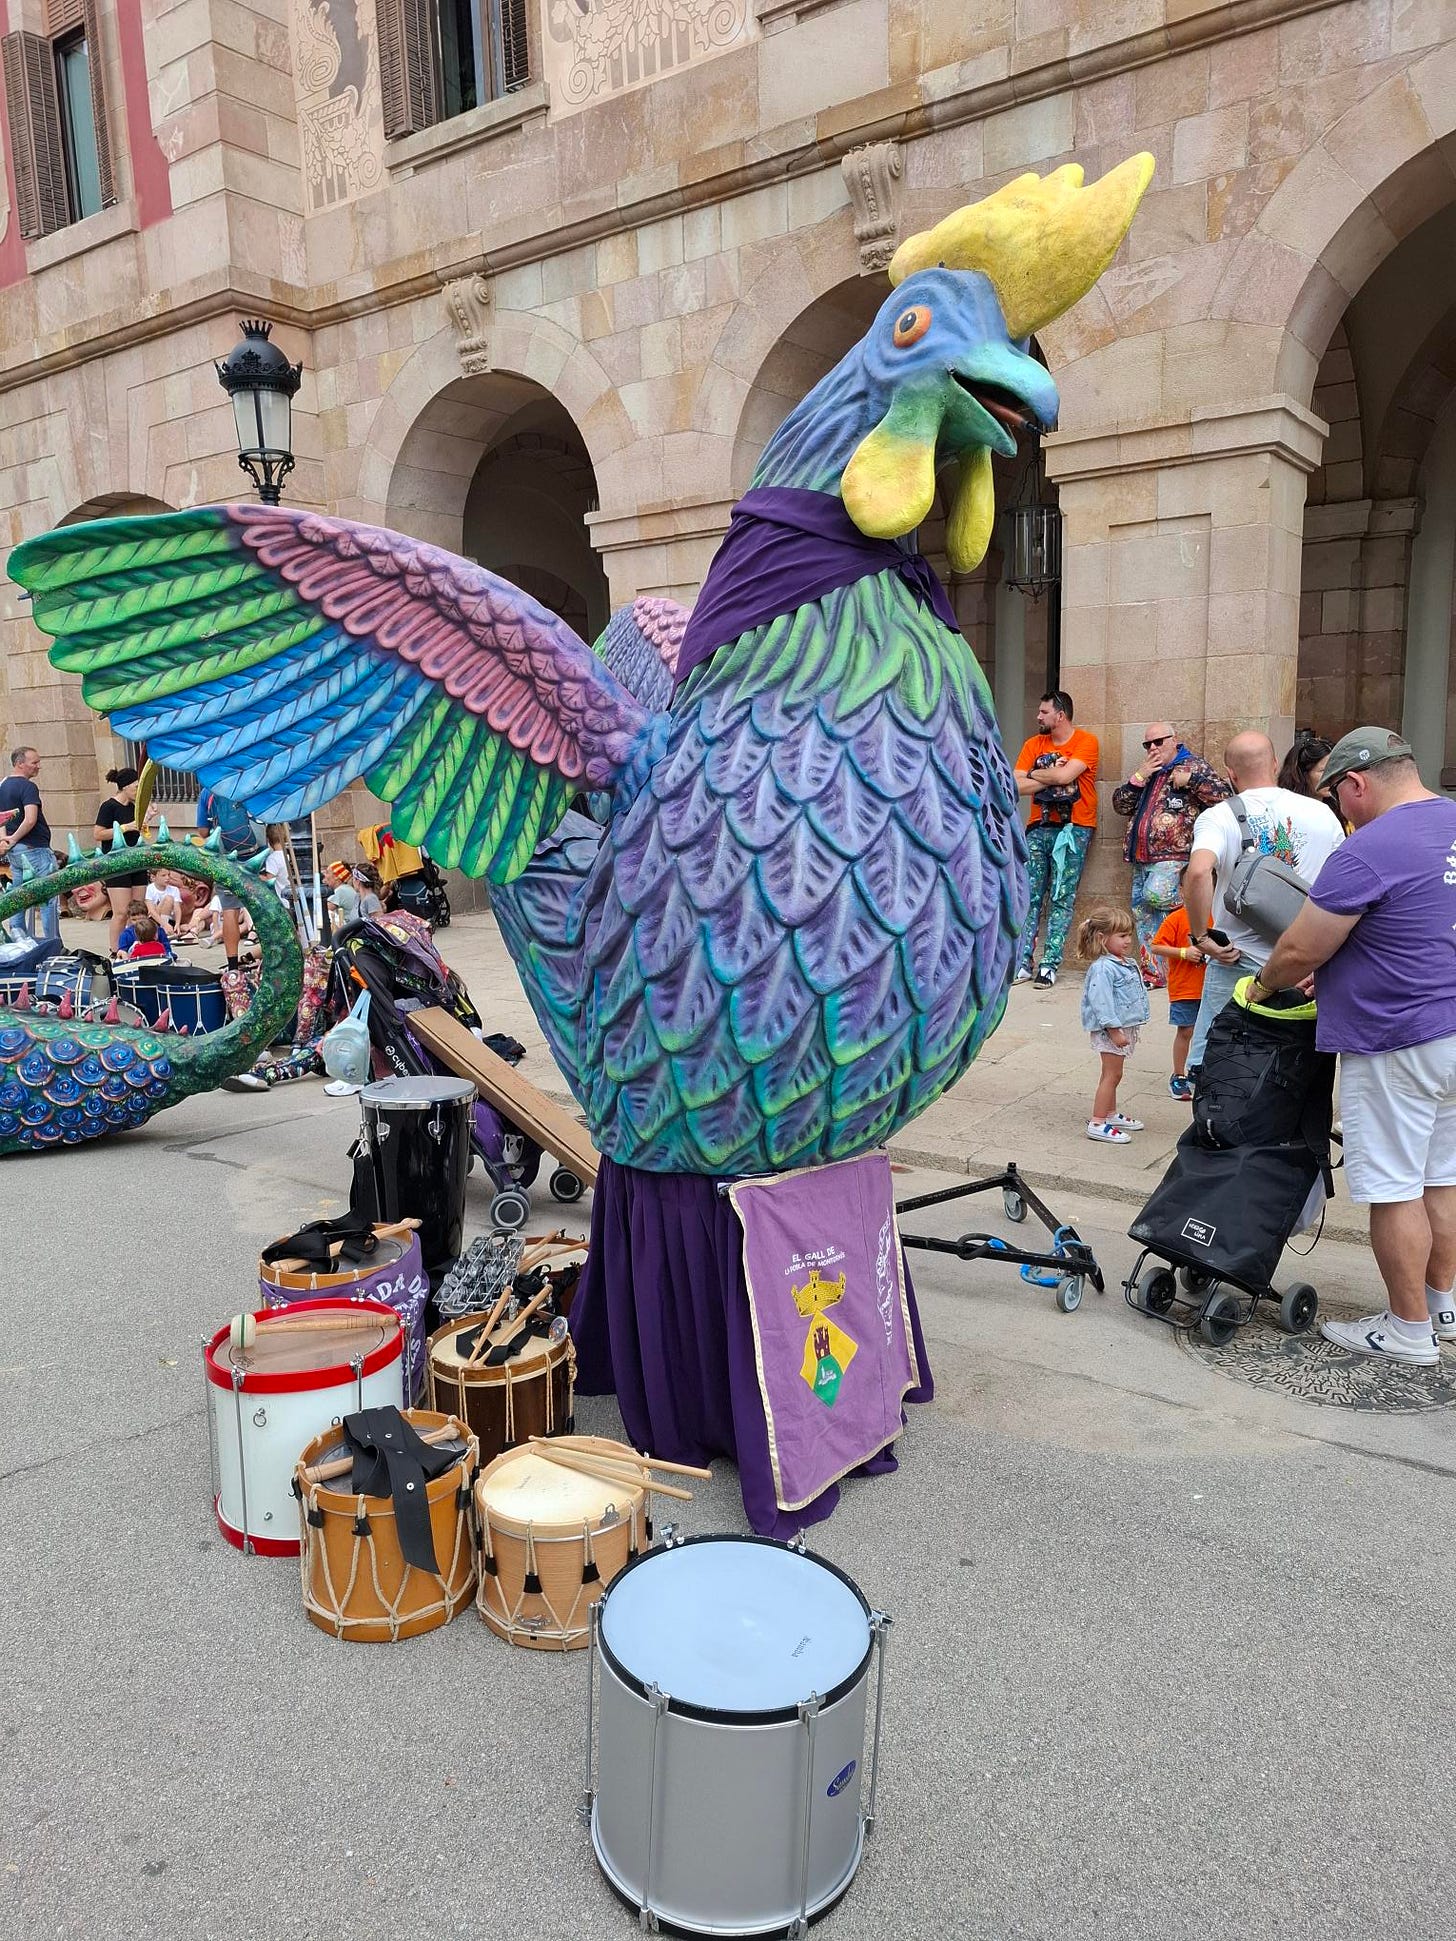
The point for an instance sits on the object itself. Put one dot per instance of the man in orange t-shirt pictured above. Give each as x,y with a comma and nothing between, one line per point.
1186,965
1058,770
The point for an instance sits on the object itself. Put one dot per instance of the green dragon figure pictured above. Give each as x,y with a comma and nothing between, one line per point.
64,1081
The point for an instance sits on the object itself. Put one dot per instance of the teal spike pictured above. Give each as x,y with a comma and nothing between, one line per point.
257,864
164,834
73,849
98,851
214,841
118,837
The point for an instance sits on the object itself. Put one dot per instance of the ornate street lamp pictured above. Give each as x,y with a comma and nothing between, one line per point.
1034,556
261,383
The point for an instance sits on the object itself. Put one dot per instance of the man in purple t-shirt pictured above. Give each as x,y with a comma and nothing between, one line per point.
1379,931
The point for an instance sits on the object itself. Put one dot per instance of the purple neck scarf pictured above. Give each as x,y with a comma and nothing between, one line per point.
785,547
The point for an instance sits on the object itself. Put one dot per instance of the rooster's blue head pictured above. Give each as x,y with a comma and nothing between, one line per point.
945,374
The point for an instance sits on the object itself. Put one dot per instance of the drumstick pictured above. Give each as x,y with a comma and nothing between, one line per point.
482,1339
520,1320
604,1472
321,1472
591,1445
243,1329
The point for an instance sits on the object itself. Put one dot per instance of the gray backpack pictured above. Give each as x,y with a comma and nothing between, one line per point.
1262,892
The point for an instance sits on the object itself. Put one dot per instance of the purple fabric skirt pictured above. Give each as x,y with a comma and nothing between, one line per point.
661,1321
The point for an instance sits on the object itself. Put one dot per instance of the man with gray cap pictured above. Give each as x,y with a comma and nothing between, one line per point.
1379,934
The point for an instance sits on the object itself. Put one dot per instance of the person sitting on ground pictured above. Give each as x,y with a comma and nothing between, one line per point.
164,901
1379,935
147,939
276,868
1114,1010
1185,988
367,881
1303,767
1297,830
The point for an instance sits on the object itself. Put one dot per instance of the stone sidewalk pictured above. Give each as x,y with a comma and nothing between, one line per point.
1026,1098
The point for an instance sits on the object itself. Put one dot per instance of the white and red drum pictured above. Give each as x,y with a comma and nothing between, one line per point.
309,1366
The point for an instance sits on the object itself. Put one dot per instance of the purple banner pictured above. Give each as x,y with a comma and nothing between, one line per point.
831,1323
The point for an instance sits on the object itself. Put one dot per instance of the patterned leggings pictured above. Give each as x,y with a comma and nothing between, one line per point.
1056,887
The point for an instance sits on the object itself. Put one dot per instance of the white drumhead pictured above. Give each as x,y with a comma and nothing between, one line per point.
733,1626
415,1094
527,1488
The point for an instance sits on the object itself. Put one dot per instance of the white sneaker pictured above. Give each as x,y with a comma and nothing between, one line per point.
1045,978
1128,1125
1023,976
1107,1132
1373,1335
1443,1321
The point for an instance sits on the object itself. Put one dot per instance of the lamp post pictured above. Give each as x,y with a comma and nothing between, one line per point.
1035,557
261,383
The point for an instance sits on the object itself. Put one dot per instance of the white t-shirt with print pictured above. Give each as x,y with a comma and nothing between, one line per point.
1296,828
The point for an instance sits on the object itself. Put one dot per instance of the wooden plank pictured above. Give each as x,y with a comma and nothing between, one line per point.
502,1086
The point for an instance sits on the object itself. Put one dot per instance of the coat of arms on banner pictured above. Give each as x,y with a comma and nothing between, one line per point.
820,1246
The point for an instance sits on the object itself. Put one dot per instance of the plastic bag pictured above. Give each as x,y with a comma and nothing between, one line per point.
345,1049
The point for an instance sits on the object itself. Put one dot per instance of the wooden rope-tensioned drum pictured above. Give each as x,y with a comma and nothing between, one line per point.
356,1582
552,1538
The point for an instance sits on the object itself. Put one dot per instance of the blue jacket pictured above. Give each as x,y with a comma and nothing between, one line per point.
1113,994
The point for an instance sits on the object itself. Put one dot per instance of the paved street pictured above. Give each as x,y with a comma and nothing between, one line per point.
1171,1654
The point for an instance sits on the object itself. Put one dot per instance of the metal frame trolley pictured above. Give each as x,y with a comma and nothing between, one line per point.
1068,1265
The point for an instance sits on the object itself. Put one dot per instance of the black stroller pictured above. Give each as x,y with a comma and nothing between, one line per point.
1252,1169
396,963
423,894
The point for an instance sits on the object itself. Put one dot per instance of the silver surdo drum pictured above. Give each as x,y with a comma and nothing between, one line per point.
729,1705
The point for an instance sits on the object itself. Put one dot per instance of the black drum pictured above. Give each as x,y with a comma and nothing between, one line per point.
417,1134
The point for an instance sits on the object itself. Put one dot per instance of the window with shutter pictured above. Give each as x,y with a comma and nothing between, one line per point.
515,69
408,65
96,49
36,143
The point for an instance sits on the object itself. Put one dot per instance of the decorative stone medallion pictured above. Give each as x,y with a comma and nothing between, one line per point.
1312,1369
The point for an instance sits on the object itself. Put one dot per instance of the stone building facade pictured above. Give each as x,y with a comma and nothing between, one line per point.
550,312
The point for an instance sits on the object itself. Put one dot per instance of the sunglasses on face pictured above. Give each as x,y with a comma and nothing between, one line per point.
1156,742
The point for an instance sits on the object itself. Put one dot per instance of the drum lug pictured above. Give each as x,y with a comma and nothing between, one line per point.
809,1709
659,1701
593,1626
797,1543
668,1535
880,1623
239,1377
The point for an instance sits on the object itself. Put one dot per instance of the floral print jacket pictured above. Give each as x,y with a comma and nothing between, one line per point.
1163,811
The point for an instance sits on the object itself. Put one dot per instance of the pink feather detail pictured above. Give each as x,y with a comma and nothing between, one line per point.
492,648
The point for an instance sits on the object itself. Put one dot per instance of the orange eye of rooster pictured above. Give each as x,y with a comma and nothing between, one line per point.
911,325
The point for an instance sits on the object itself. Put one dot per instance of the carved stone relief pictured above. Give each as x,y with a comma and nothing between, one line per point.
468,301
872,176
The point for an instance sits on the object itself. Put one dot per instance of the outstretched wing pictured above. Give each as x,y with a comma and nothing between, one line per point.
281,654
640,645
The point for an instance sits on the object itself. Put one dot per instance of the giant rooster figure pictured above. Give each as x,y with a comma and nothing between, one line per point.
793,927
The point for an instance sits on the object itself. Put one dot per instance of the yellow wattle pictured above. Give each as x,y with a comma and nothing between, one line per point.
972,512
889,484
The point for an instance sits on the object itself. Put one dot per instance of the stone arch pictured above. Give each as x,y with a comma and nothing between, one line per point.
495,466
1374,176
523,346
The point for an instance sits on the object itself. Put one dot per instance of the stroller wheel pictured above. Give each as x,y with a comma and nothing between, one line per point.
509,1210
1195,1282
1298,1305
1013,1206
1157,1290
1220,1318
565,1186
1069,1294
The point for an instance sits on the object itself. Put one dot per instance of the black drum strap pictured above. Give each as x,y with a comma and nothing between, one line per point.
314,1244
391,1460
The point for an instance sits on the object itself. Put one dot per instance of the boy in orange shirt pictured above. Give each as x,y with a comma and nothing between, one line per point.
1185,988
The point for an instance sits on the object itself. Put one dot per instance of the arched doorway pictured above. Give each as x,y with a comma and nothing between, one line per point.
1012,636
1376,589
494,468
